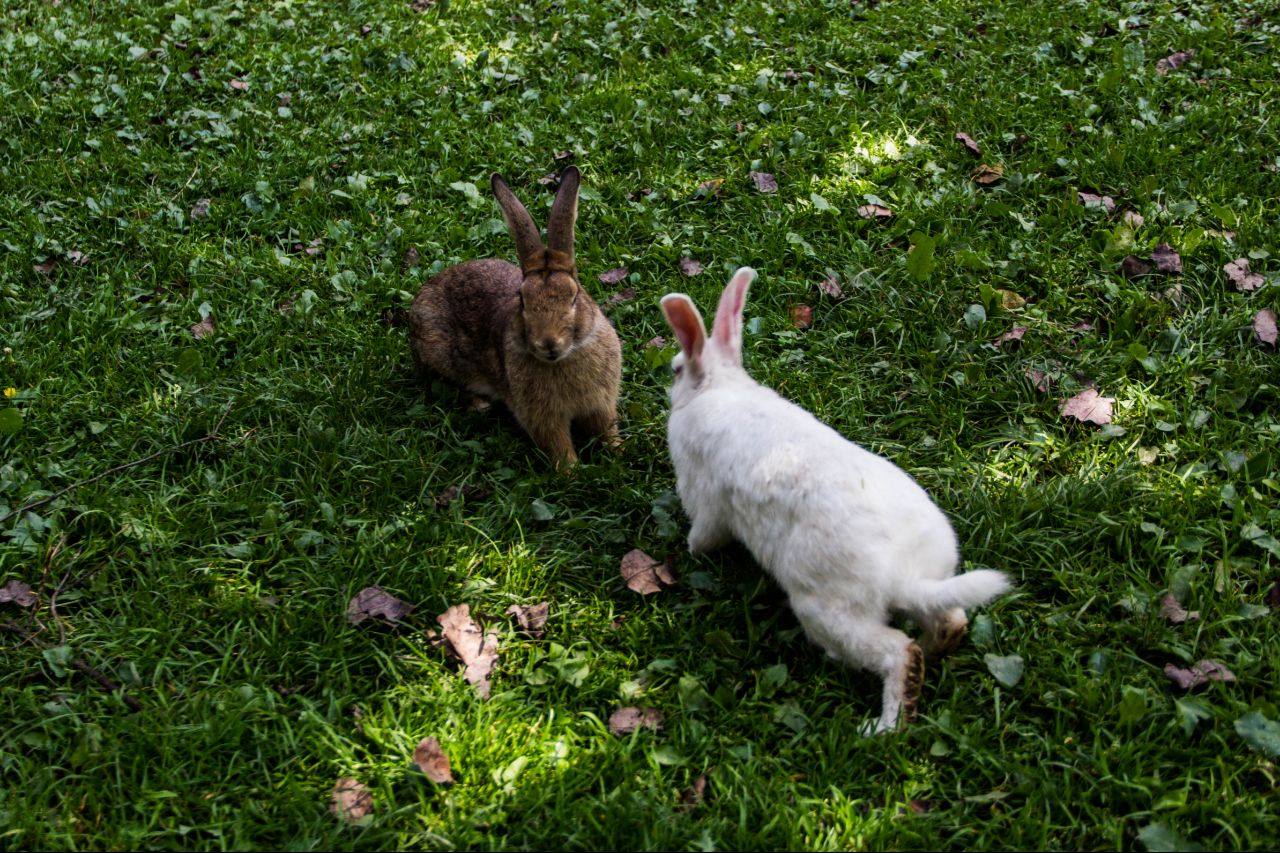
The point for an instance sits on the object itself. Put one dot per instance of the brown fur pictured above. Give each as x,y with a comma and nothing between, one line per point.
529,336
913,683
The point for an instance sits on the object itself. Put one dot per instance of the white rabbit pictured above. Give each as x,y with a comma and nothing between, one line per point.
849,536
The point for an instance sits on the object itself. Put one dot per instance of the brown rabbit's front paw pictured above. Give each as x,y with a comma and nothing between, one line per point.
912,684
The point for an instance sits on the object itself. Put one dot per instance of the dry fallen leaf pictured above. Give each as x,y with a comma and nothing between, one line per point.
46,267
1264,326
432,761
375,601
352,801
657,342
566,154
469,492
1201,672
874,211
1106,201
1088,407
614,275
204,328
1133,218
986,175
1166,259
1172,609
238,85
695,793
709,188
474,647
801,316
532,618
77,257
967,140
624,295
1040,380
624,721
1134,267
201,209
1013,335
1083,326
1172,61
19,593
831,286
690,266
1011,301
765,182
411,257
644,574
1239,274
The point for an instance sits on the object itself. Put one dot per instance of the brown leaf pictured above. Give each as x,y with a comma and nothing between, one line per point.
1238,272
1088,407
1107,202
624,295
46,266
432,761
1201,672
644,574
1039,379
1083,326
474,647
1018,142
985,175
77,257
1013,335
1264,326
624,721
690,266
411,257
967,140
1166,259
532,618
1134,267
468,492
204,328
376,601
831,286
1221,235
659,342
1172,61
238,85
1133,218
694,794
1172,609
765,182
201,209
19,593
614,275
874,211
564,155
352,801
1011,301
709,188
801,316
365,29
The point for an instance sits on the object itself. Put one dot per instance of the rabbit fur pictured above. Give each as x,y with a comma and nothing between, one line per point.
849,536
529,335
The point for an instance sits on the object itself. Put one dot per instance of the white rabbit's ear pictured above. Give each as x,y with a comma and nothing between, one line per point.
728,325
686,322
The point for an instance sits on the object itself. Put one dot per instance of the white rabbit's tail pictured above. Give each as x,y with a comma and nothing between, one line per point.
965,590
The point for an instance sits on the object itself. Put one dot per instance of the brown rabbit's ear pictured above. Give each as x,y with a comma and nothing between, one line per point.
686,322
519,222
564,212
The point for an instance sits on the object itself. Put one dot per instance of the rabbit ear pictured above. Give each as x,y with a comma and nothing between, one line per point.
686,322
728,324
564,212
519,222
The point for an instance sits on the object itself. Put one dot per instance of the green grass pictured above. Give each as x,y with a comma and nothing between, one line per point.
211,583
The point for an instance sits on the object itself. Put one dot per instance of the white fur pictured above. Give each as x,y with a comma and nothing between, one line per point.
849,536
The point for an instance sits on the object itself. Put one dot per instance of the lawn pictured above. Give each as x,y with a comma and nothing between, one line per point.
213,213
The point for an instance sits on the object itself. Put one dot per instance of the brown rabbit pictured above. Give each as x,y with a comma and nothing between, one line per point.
530,335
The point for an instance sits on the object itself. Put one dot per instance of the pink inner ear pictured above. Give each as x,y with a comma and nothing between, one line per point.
686,323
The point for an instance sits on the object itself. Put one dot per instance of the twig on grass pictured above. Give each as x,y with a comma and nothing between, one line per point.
80,666
213,434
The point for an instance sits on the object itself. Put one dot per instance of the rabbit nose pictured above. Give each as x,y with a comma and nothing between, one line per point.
553,351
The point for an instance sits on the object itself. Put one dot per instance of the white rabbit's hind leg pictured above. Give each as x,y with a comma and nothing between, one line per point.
706,533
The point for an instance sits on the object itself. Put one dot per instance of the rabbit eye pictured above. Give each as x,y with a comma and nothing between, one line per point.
676,368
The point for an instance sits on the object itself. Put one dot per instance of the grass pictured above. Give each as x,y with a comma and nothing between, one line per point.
211,583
